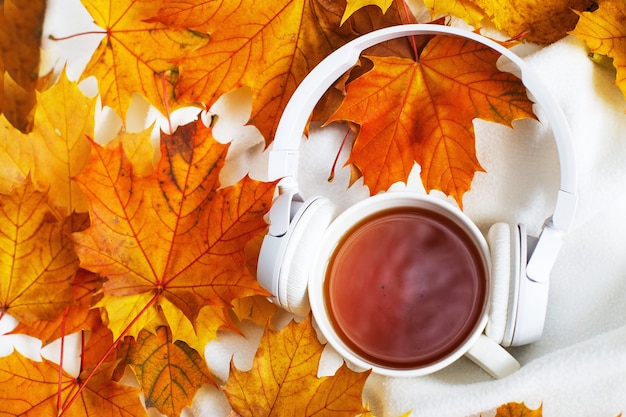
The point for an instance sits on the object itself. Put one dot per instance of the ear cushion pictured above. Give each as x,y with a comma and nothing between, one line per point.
309,225
499,239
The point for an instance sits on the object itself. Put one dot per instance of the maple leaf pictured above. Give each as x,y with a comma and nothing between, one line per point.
257,309
138,149
62,119
74,318
128,315
21,23
16,156
170,373
283,379
423,111
468,10
267,46
517,410
354,5
173,235
33,389
37,259
210,320
604,32
539,21
135,55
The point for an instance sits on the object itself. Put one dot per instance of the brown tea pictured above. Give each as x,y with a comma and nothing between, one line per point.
405,288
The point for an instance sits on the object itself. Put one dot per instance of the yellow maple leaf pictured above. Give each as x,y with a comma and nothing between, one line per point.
61,150
77,317
354,5
37,260
128,315
538,21
466,10
197,334
138,149
541,21
257,309
604,32
283,380
16,156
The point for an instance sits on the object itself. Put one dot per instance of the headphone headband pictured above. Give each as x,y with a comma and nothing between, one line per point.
283,159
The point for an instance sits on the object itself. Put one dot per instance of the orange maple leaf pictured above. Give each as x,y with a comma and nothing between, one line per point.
423,111
34,389
518,410
37,259
135,55
173,238
267,46
170,373
604,32
283,380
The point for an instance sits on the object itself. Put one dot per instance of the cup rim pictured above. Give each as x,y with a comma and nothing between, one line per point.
332,237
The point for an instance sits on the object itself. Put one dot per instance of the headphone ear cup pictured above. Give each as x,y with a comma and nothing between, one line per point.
308,228
503,240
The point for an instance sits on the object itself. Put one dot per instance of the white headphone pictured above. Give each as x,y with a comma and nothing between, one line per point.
520,264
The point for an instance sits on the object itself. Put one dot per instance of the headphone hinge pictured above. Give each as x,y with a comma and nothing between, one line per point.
545,252
284,208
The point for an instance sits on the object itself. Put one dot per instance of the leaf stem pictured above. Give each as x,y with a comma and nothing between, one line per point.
110,350
76,35
331,177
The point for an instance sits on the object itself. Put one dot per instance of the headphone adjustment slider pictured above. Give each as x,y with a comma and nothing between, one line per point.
282,163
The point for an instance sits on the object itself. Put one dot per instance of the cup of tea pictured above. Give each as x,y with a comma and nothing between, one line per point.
402,286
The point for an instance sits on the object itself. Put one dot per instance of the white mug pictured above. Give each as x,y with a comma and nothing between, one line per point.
406,316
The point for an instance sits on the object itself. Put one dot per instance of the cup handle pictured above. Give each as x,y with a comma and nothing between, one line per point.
492,357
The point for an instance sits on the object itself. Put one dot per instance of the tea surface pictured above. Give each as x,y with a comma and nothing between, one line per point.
405,288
